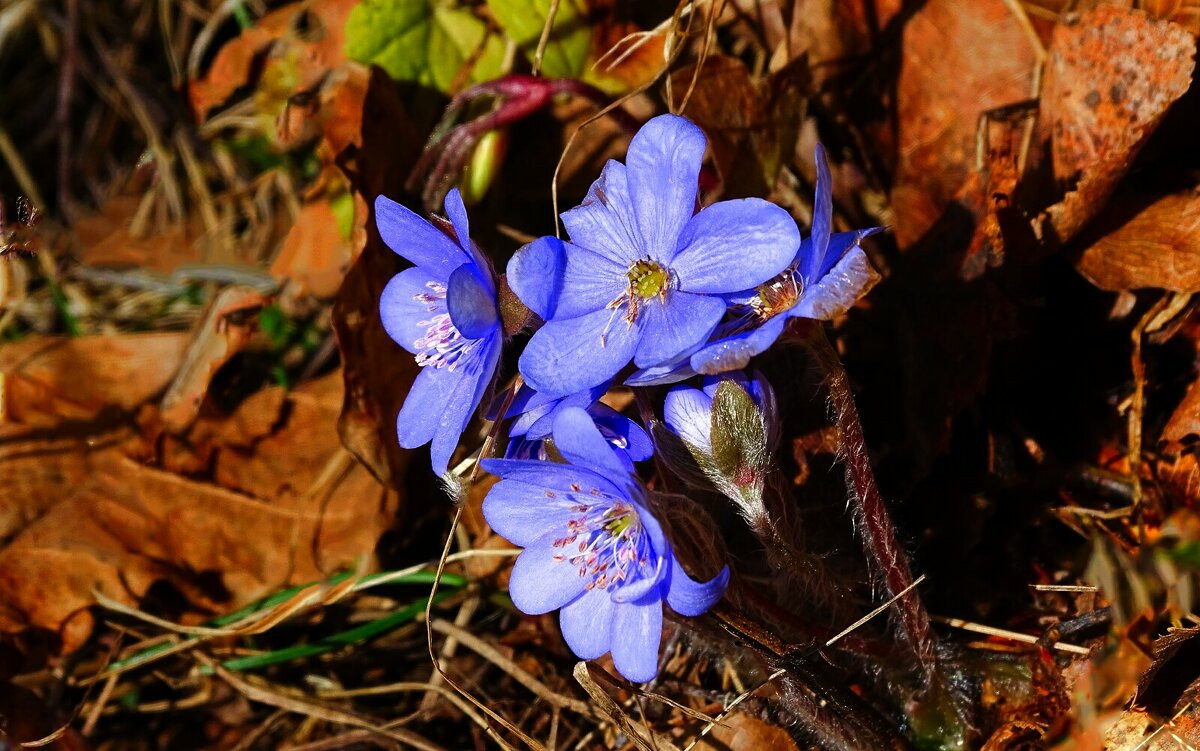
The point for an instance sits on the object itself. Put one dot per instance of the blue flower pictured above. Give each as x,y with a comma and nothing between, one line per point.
444,311
592,549
829,273
644,274
536,412
687,411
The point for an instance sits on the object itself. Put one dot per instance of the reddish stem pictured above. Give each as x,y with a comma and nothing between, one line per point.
873,520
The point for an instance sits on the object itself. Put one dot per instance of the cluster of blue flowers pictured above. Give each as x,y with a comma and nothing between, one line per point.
650,289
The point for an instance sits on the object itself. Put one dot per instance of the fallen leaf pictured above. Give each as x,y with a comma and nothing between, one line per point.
1158,246
234,62
130,526
228,324
315,255
741,732
112,524
312,54
960,59
1110,76
107,238
752,125
49,380
377,373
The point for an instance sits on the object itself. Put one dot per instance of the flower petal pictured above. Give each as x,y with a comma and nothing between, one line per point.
521,513
676,327
559,477
734,245
660,375
689,597
587,624
414,238
590,281
637,444
734,352
635,654
542,580
456,212
472,308
837,291
535,274
822,224
479,367
405,318
579,441
662,169
605,222
536,418
430,394
569,355
688,413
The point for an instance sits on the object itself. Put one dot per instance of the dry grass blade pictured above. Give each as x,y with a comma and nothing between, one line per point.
544,39
271,696
613,711
732,706
980,628
875,612
492,655
389,688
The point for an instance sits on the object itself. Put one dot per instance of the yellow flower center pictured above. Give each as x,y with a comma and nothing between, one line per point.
648,279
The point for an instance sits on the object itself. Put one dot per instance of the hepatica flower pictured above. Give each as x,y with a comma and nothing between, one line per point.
828,274
444,311
730,428
535,414
644,273
593,550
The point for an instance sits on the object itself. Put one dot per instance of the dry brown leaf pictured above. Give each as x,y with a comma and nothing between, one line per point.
376,374
129,526
300,508
1158,247
752,125
106,239
341,109
314,256
742,732
232,66
228,324
1110,76
834,33
48,380
960,59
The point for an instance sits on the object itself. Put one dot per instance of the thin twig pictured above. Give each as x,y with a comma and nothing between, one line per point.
551,14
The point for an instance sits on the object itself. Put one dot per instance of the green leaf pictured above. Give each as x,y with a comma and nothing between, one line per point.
342,206
739,437
393,34
458,38
570,36
423,42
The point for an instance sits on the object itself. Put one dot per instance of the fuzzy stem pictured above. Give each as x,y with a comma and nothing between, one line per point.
874,522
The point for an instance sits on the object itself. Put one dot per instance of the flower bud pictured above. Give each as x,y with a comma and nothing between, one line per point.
729,428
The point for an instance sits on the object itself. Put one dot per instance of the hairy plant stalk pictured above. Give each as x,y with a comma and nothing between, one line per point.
871,514
817,699
805,575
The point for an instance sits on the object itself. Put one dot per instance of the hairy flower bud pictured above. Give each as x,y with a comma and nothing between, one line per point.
729,429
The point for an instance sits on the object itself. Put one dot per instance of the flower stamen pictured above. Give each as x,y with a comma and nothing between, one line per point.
442,345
